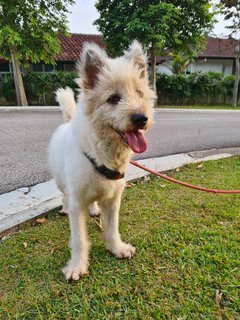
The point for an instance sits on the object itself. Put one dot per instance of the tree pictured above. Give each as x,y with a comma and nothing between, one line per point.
171,25
28,32
180,61
231,11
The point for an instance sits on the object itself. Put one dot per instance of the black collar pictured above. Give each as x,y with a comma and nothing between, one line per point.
106,172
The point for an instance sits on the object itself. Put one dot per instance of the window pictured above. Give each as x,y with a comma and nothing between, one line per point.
37,67
4,67
41,67
69,67
188,70
48,67
59,66
223,69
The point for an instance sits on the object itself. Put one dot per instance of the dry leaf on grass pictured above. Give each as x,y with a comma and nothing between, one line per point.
98,222
41,220
129,185
218,297
144,179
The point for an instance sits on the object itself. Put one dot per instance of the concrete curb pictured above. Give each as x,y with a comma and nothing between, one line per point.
23,204
29,109
162,110
173,110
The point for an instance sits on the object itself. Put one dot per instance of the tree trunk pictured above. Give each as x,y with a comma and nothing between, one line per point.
236,82
20,92
152,70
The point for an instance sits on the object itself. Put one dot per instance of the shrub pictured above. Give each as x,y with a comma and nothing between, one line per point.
7,89
196,88
39,87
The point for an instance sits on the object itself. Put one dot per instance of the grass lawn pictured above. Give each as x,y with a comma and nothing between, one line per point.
186,265
214,107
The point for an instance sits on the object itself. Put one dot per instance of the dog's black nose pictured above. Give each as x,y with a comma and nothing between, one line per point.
139,120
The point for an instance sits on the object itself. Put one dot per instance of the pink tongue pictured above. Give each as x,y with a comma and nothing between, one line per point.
136,141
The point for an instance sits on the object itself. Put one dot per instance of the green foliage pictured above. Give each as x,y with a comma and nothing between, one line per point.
7,88
163,25
196,88
28,32
39,86
181,60
231,11
32,27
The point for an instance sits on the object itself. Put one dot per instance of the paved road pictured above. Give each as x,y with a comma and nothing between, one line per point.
177,131
24,138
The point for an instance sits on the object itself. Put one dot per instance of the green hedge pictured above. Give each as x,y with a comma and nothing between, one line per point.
196,88
39,87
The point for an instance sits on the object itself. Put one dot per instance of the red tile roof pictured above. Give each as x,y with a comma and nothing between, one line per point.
219,48
72,45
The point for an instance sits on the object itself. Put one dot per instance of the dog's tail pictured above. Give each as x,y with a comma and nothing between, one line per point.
65,98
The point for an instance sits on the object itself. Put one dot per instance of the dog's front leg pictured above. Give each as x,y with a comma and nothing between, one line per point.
110,214
78,265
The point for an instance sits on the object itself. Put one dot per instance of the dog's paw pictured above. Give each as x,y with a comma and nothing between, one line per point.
123,251
63,211
94,210
74,272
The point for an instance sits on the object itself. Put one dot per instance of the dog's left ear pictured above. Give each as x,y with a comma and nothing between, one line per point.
136,54
92,60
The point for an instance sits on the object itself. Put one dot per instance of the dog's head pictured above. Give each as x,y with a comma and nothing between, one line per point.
117,95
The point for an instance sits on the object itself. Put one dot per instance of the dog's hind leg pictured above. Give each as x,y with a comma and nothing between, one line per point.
64,209
78,264
110,213
94,210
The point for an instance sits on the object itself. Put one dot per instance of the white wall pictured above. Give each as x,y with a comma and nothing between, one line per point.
163,69
215,65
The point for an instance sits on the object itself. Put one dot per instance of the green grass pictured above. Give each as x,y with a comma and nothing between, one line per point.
210,107
187,249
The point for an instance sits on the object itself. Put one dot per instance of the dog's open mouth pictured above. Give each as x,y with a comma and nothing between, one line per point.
135,140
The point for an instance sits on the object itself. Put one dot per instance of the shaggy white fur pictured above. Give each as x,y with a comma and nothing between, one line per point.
114,108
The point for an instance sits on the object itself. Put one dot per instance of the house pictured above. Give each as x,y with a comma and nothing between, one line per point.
218,56
66,59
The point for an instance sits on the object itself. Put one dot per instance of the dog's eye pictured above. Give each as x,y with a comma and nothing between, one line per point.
139,93
114,99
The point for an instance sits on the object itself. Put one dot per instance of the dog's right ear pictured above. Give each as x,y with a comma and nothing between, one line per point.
92,60
136,54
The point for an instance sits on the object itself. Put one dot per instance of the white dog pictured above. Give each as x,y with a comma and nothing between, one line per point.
89,154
